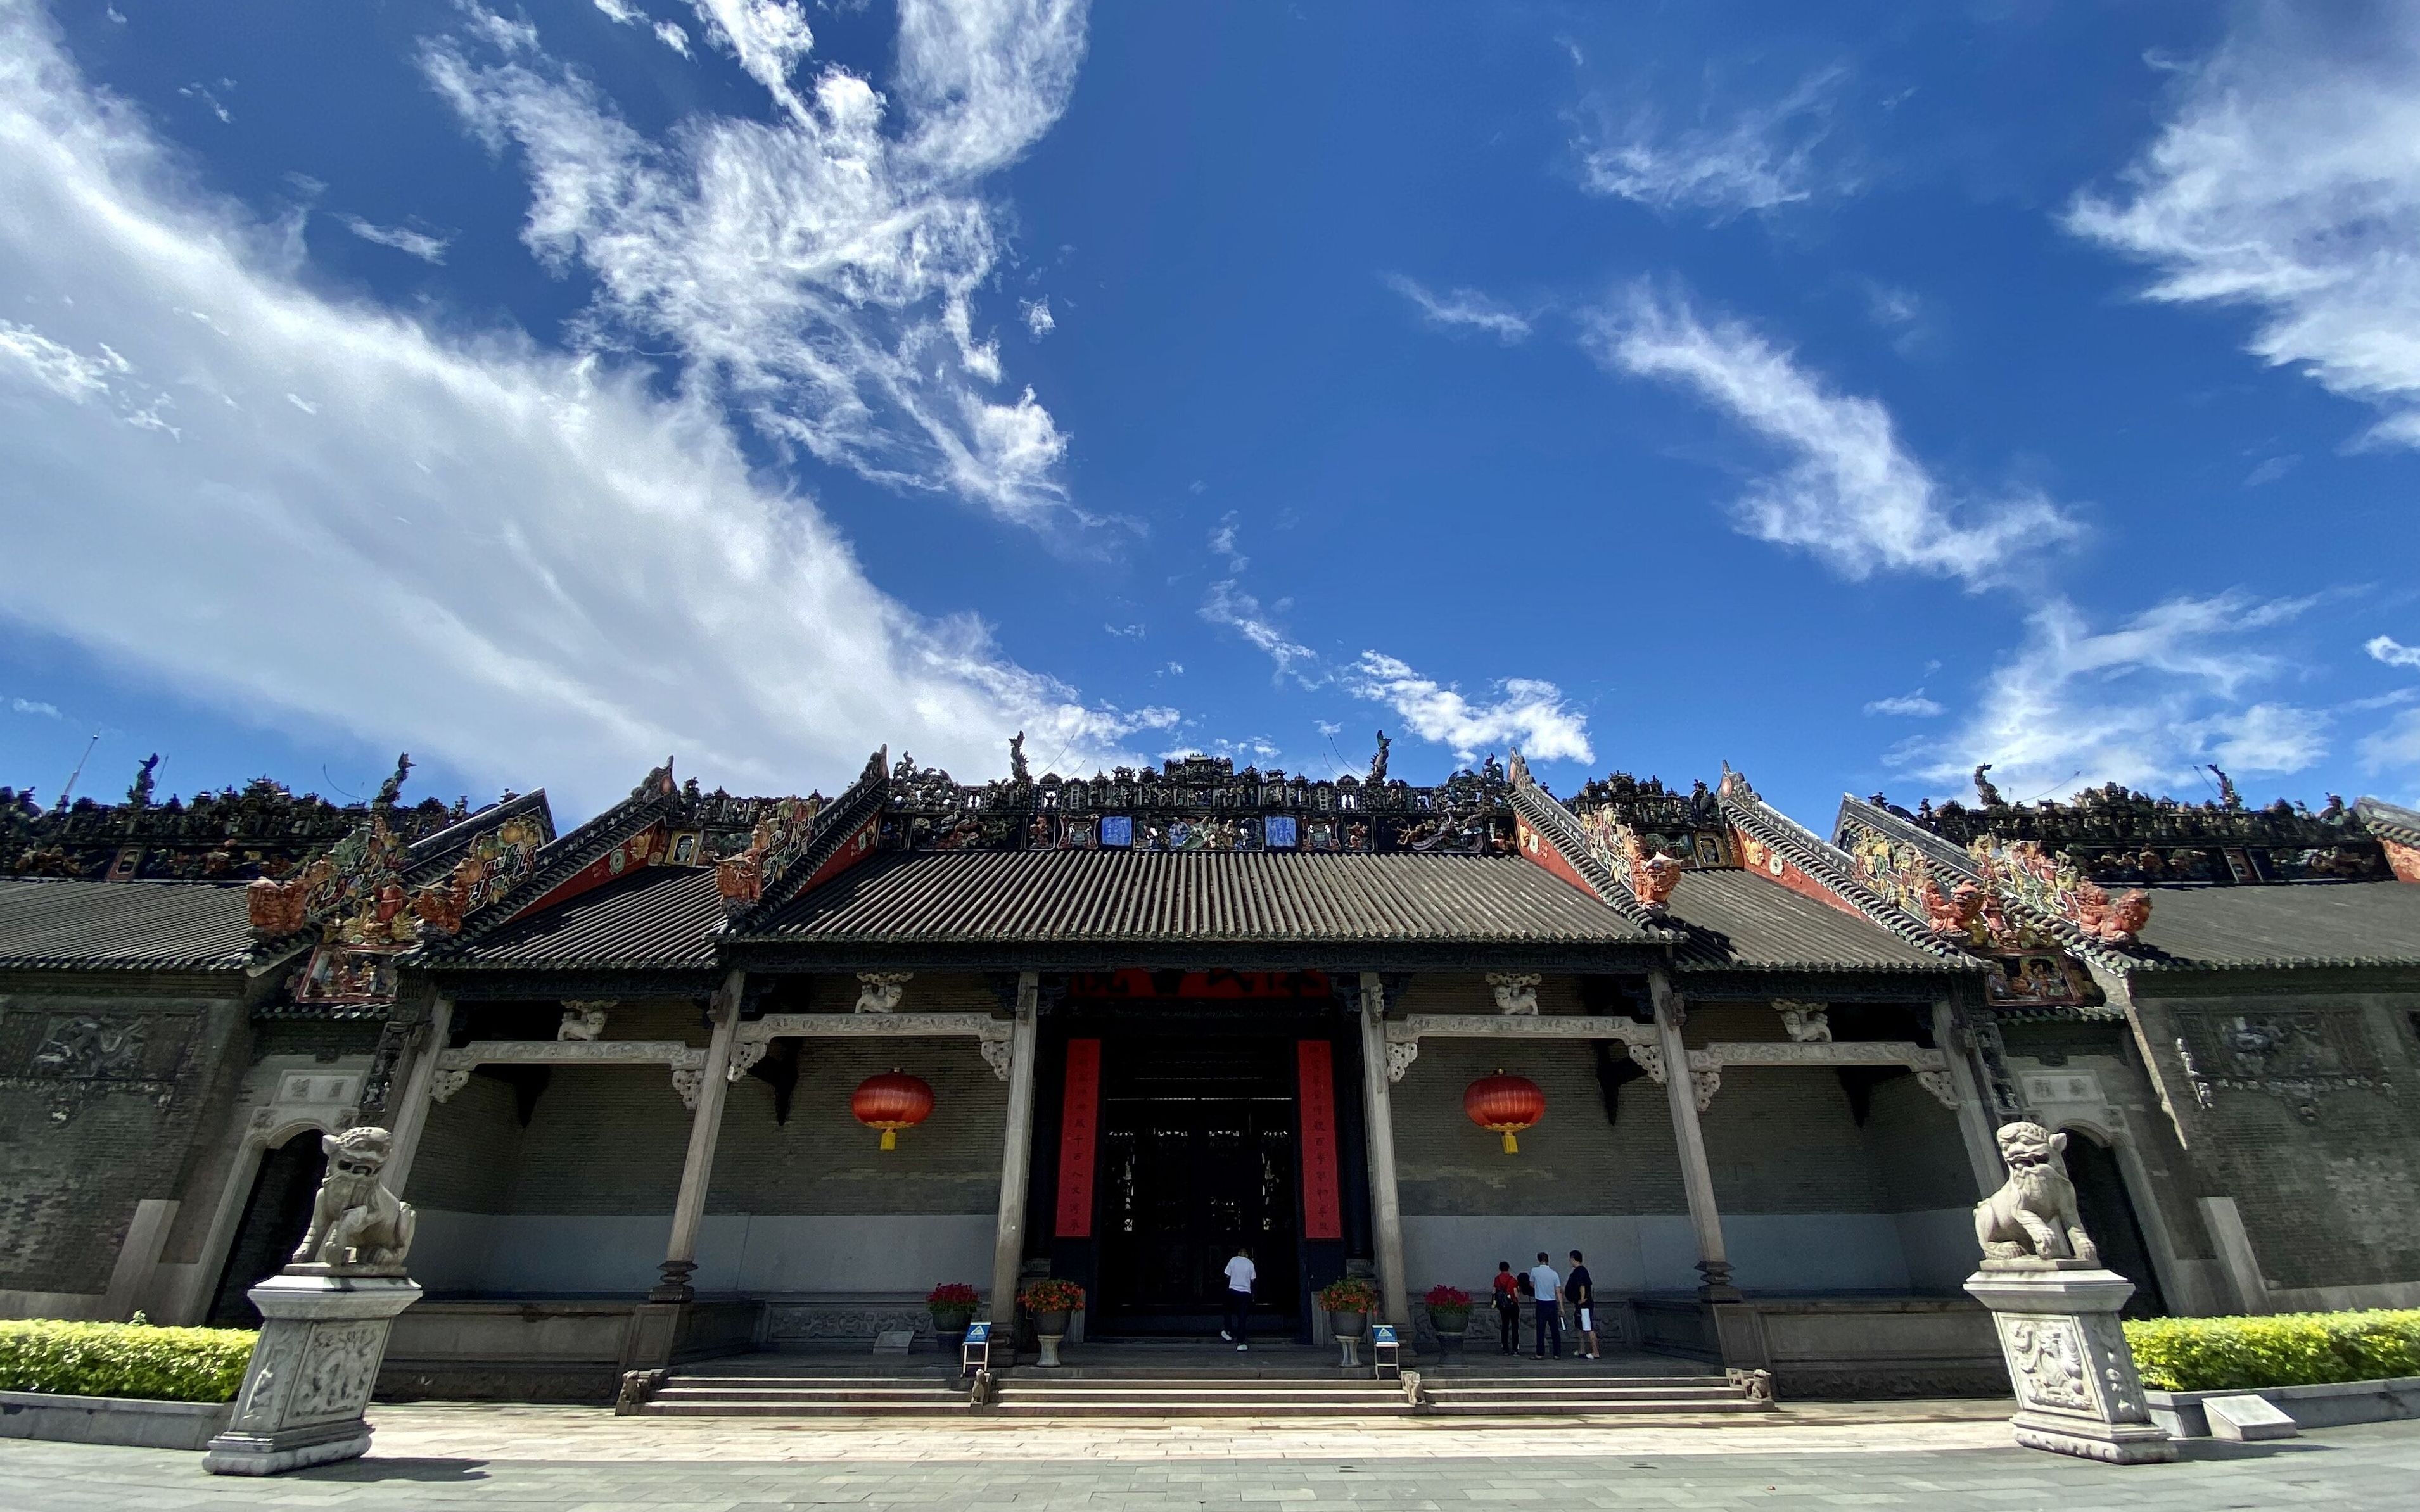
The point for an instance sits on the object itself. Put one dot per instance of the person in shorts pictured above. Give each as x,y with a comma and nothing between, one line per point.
1579,1290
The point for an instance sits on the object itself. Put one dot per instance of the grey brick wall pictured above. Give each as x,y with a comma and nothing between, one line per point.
824,1161
1572,1162
68,1187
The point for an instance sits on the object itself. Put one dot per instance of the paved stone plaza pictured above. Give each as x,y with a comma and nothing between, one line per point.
531,1459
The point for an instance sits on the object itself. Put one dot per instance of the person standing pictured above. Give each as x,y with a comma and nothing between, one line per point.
1508,1309
1548,1285
1579,1290
1241,1274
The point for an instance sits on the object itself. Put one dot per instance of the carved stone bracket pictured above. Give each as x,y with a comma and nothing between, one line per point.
1517,991
584,1020
1649,1058
1804,1022
1932,1067
1404,1036
879,991
453,1066
991,1034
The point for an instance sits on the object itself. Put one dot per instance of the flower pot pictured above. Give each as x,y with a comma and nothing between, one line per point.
1348,1325
1048,1329
1450,1327
950,1327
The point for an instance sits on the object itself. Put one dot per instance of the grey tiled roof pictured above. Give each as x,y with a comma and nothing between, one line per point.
1741,921
156,926
1122,897
2389,821
2304,924
657,916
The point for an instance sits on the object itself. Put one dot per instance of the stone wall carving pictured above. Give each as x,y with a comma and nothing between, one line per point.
583,1020
2294,1054
879,991
1517,991
1806,1023
77,1059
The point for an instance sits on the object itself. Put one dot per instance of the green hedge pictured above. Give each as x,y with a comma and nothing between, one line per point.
2288,1349
177,1365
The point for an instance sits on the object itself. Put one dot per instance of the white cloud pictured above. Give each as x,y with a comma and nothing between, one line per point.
672,36
1852,495
1222,541
2288,182
2393,653
101,377
1038,319
2270,470
202,94
2142,704
1531,714
1763,159
1240,612
816,272
1913,705
621,13
403,238
1125,632
46,711
593,576
1464,309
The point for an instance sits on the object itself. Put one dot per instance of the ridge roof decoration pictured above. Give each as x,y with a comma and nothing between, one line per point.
1608,874
1826,863
558,864
2398,830
796,843
2004,896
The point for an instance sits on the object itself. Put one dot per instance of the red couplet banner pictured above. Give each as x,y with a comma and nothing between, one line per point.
1079,1123
1323,1210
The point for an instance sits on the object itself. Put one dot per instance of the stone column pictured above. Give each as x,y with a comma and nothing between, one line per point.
704,1128
1386,1207
1973,1118
1015,1167
411,1113
1697,1177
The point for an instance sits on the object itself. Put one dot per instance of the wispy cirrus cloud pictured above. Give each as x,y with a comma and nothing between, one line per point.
524,561
2393,653
1763,158
1527,712
1852,495
1462,309
1907,706
816,272
2288,182
1228,605
2142,702
426,246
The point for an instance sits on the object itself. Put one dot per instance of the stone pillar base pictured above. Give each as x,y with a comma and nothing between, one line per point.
321,1338
2077,1390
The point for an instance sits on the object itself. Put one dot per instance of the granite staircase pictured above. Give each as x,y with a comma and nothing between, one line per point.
759,1392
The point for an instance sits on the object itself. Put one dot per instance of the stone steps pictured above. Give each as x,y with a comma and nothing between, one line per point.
1028,1394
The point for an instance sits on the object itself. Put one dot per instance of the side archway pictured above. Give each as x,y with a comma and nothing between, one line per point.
275,1214
2102,1202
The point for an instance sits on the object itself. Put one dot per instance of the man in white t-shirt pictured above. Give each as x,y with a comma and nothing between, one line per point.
1240,1276
1547,1287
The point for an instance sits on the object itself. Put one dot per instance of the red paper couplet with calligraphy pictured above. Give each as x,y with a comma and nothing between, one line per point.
1078,1120
1323,1213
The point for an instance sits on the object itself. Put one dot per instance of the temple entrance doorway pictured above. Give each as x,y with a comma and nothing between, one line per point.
2108,1215
1197,1157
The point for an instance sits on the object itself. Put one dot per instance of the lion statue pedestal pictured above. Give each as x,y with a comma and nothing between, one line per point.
2056,1311
324,1322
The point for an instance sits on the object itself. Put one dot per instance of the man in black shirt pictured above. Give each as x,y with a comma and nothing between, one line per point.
1580,1291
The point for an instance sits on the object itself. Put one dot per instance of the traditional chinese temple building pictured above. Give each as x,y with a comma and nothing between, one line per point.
710,1073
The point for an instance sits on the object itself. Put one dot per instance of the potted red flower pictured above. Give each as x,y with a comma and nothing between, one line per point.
1050,1301
952,1305
1348,1305
1449,1314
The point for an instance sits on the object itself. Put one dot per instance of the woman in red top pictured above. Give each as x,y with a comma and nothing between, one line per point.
1508,1310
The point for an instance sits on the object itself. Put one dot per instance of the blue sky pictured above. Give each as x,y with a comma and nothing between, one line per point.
1853,394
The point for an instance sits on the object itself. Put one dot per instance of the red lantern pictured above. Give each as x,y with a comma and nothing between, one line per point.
891,1101
1504,1104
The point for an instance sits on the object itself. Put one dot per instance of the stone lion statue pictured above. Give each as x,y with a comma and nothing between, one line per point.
2032,1217
356,1223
